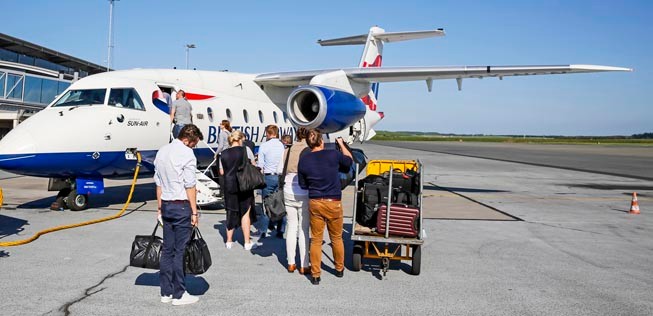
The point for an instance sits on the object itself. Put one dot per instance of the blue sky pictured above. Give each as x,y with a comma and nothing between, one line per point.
270,36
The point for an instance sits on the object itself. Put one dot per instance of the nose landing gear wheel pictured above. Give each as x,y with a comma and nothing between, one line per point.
76,201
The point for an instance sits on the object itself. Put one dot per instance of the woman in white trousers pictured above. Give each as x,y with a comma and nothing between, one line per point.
296,201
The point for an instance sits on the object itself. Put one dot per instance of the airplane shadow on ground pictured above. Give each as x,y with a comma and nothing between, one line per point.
608,186
195,285
11,226
112,195
460,190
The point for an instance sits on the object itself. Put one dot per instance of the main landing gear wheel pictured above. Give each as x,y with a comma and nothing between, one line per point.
76,201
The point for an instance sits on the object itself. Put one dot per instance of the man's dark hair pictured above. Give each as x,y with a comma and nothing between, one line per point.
191,133
314,138
302,133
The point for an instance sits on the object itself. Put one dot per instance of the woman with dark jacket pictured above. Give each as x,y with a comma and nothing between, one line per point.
237,204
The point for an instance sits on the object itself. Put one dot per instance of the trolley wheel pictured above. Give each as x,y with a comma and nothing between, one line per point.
77,202
417,260
357,257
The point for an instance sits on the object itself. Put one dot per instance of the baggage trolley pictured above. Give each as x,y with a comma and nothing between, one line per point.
372,245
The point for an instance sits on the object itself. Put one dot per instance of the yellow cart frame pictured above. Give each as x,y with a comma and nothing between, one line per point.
386,247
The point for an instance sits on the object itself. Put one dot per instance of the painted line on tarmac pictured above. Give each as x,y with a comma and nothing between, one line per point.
521,162
514,218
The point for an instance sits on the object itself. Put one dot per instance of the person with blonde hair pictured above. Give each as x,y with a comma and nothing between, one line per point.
237,203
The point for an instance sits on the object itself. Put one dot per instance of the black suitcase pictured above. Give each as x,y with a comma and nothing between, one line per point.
373,194
404,220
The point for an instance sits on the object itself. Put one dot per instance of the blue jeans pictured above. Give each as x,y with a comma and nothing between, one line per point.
271,184
176,234
176,129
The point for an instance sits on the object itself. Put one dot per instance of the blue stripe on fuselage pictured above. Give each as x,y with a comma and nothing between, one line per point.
83,164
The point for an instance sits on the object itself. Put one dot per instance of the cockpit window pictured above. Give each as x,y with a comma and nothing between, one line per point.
82,97
125,98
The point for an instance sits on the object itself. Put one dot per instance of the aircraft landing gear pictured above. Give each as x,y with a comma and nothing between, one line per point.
76,201
67,196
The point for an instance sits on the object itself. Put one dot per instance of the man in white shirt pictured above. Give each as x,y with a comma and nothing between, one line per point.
174,175
269,158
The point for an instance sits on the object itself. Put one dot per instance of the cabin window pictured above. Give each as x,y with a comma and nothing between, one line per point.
125,98
276,117
209,113
285,117
260,116
245,116
228,114
82,97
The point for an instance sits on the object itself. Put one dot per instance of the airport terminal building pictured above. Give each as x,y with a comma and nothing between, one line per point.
31,76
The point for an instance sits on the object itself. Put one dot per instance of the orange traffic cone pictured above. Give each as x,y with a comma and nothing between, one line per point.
634,206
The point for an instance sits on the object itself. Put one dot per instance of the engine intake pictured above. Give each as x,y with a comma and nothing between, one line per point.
325,109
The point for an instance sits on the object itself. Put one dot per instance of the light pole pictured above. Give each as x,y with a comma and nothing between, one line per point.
188,47
110,34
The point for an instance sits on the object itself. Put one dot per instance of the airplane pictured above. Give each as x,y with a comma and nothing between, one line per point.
92,130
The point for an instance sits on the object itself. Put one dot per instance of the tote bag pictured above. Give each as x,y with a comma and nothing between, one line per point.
249,177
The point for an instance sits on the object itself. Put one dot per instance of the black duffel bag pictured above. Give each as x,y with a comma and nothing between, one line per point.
146,250
197,258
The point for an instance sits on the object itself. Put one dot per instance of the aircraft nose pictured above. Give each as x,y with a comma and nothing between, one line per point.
16,148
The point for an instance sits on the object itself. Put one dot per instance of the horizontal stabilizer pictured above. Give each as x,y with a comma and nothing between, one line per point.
387,37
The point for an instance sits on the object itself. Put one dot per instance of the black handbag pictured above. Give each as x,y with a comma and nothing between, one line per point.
197,258
249,177
146,250
275,207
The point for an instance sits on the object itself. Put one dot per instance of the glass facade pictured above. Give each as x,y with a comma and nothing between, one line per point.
29,88
14,87
14,57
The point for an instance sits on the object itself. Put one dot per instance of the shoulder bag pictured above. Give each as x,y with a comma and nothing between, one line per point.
249,177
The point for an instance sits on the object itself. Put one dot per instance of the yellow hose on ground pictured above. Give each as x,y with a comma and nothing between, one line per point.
95,221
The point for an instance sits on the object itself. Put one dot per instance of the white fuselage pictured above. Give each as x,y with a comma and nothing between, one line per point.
90,140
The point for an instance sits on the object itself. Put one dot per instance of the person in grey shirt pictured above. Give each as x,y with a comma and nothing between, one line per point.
180,113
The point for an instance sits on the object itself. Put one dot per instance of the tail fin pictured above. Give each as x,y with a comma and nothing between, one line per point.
373,52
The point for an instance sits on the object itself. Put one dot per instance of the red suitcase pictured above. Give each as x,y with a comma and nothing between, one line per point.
404,220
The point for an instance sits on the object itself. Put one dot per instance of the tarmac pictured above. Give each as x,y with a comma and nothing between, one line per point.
502,238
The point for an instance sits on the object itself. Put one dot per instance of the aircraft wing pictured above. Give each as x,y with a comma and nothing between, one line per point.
394,74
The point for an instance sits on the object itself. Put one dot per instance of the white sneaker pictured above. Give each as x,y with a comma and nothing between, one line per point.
228,245
166,299
185,299
251,245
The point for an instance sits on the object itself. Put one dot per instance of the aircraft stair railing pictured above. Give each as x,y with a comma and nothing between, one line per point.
208,191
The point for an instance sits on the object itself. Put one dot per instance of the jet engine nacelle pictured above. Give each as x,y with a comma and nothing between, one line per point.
325,109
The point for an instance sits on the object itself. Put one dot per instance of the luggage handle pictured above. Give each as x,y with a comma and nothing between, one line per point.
196,233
